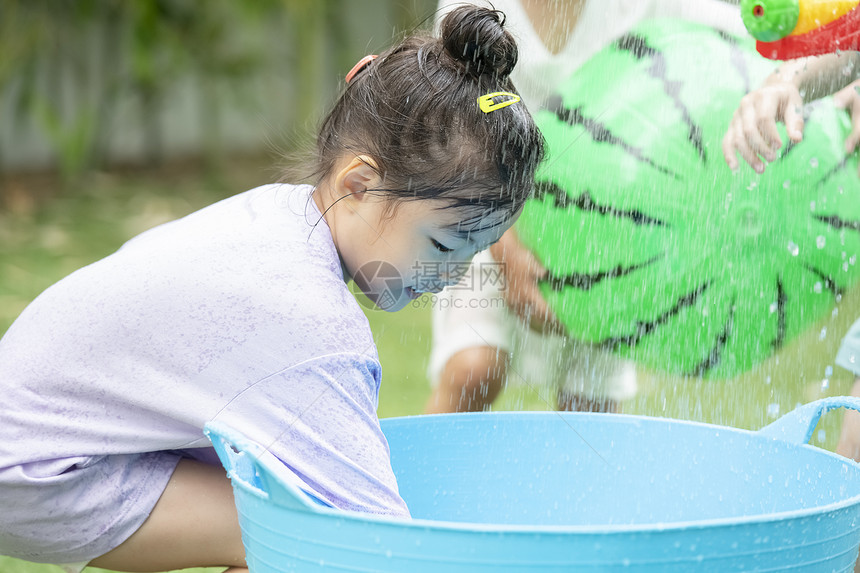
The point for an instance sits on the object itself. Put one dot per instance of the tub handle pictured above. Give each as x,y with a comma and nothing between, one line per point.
797,426
250,466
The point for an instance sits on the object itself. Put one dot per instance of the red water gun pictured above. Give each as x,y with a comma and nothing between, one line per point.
788,29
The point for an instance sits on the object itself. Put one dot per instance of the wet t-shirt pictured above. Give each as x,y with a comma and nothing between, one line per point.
237,313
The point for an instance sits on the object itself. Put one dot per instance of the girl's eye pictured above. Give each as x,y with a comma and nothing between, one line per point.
440,247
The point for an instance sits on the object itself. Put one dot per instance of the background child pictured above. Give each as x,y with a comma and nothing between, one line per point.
478,331
241,313
754,136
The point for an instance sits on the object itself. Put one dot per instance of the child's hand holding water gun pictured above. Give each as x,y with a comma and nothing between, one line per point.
787,29
753,133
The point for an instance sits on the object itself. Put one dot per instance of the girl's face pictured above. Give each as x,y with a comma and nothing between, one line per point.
395,256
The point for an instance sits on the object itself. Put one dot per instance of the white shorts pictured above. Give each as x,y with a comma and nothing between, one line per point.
848,356
74,516
473,313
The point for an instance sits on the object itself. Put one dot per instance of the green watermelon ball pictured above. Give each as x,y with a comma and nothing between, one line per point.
655,249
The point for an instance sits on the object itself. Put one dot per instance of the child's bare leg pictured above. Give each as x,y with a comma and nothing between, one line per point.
194,524
470,381
849,438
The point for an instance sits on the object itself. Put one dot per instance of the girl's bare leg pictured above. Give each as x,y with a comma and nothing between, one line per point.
194,524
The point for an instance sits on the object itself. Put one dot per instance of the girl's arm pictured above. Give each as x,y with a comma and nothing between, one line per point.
752,131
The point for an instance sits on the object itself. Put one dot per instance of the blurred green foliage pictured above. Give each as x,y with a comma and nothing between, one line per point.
101,49
67,65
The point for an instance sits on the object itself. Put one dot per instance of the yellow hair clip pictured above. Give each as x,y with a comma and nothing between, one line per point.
487,105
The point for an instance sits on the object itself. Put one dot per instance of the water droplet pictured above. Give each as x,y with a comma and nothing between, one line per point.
828,371
816,288
823,334
773,306
822,435
813,162
820,241
812,205
786,184
793,248
767,380
773,409
825,384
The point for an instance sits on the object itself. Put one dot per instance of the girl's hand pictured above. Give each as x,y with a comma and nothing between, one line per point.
522,272
752,131
848,99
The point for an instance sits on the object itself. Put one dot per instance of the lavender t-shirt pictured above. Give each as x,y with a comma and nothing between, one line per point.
237,313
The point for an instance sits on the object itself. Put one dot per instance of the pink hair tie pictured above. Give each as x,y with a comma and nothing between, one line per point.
359,66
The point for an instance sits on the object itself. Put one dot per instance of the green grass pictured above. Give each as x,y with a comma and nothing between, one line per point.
9,565
41,244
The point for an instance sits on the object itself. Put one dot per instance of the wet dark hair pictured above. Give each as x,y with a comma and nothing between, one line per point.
414,110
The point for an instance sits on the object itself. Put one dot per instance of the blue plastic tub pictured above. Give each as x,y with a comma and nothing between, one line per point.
543,491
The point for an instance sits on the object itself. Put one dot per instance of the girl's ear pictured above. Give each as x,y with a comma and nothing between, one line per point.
359,175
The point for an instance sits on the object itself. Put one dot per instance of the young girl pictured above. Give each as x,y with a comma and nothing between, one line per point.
241,313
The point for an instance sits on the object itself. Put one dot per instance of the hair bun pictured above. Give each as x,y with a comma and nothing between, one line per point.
476,36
